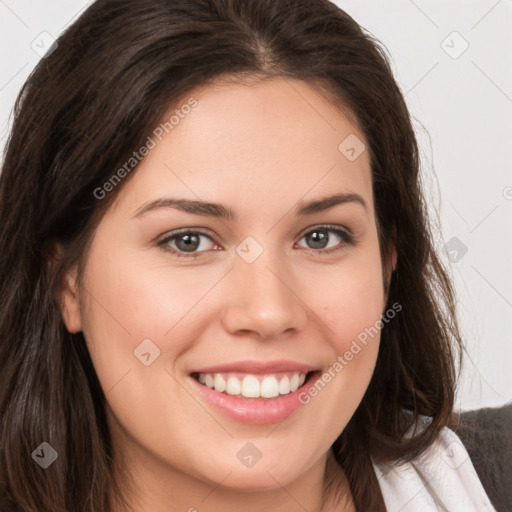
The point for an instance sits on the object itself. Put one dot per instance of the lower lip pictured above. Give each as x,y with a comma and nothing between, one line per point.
258,411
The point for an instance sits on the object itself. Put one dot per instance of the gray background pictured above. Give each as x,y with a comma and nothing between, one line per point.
453,63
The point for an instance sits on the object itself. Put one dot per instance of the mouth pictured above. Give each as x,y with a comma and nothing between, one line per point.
258,396
246,385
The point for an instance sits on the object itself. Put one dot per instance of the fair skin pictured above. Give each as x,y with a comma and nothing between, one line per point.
262,150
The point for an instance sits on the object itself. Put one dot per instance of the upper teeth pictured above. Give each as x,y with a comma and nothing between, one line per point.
253,386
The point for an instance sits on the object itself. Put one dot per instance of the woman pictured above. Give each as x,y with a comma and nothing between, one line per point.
219,288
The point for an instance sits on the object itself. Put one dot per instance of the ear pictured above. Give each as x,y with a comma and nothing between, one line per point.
390,268
69,301
66,293
393,259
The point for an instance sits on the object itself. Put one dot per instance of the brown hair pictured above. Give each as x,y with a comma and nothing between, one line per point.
83,111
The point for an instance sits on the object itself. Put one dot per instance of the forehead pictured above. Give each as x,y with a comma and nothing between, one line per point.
253,144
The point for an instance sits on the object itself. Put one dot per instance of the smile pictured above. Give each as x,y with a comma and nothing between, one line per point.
250,392
253,386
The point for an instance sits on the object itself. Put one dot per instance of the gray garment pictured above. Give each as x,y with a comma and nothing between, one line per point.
487,436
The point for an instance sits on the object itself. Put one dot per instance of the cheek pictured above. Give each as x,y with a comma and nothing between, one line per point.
136,301
128,301
353,315
349,298
126,304
359,305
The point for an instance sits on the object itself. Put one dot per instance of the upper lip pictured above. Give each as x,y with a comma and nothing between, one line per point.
258,367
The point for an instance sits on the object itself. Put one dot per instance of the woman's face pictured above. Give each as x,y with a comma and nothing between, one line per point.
250,301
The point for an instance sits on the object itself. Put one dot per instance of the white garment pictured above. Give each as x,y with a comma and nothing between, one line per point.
442,479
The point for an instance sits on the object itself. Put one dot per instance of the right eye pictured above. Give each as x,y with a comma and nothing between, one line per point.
185,243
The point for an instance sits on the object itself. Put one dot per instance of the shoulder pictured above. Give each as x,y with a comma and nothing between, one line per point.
487,437
468,467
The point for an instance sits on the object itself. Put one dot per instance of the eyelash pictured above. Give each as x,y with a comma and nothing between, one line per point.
347,238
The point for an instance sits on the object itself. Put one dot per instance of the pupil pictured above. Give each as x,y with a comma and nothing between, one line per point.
321,239
192,242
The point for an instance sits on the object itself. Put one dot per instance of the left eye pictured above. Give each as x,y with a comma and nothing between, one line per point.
320,239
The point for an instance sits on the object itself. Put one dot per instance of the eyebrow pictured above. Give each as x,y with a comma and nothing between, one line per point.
219,211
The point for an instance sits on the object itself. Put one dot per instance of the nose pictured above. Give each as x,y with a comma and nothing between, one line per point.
263,299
